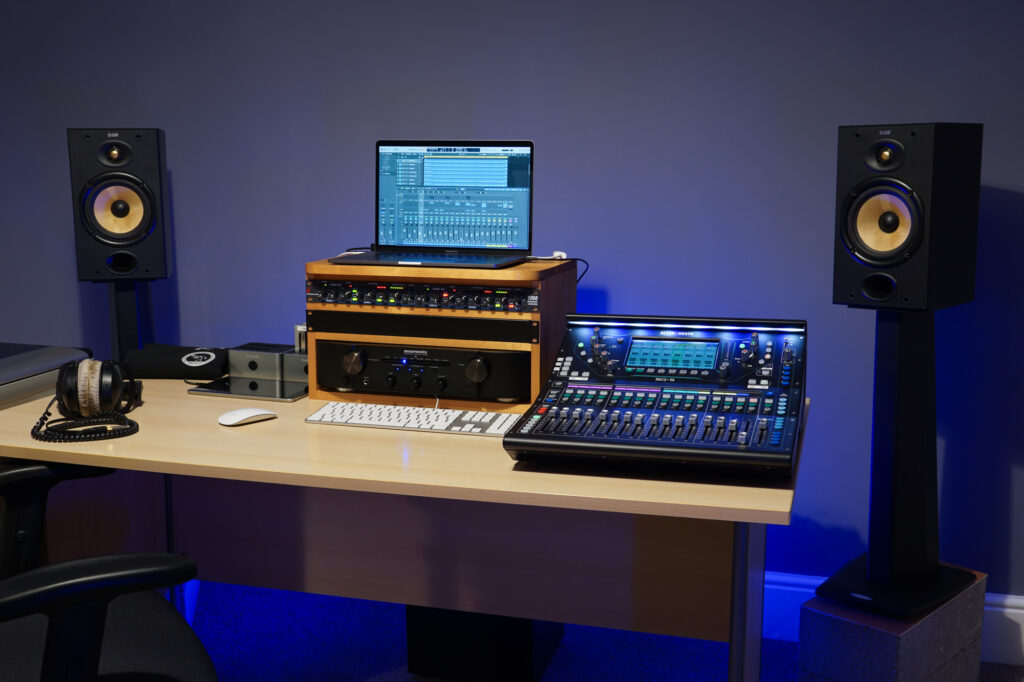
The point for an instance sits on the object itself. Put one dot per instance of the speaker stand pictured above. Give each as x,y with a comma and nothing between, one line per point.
131,319
900,576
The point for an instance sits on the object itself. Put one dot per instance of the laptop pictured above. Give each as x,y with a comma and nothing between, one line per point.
451,204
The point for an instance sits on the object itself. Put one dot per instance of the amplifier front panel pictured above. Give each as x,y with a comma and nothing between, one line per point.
466,373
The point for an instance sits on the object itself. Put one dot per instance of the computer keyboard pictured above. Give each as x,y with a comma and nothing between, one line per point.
415,418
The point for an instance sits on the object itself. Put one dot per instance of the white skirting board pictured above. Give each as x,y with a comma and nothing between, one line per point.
1002,635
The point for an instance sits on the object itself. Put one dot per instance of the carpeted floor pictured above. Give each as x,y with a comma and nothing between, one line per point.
259,635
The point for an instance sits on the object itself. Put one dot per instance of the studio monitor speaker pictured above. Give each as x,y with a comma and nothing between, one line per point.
118,186
907,215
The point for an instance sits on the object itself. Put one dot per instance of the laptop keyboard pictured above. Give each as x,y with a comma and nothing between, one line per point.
414,418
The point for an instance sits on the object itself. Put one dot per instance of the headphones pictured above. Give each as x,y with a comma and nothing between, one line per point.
89,387
92,397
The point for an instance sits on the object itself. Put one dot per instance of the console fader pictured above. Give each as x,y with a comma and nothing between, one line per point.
671,389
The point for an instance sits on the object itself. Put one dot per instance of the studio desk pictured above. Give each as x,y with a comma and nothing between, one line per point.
439,520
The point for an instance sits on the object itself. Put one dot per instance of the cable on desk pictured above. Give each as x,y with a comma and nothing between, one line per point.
101,426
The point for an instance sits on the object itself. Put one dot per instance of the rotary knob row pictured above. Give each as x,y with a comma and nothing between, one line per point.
418,298
353,362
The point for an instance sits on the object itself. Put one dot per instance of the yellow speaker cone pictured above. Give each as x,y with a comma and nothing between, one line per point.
883,223
118,209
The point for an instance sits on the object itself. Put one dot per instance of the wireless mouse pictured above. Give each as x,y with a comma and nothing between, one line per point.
245,415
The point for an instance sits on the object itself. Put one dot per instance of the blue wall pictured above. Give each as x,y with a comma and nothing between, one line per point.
687,150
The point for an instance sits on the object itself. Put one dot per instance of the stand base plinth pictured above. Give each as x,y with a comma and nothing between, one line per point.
840,641
849,585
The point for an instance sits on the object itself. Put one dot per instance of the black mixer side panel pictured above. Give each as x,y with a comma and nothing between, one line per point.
662,389
470,373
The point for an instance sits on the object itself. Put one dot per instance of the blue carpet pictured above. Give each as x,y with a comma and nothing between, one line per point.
257,635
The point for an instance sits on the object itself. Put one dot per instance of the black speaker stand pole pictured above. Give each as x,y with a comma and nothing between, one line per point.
131,323
131,326
900,576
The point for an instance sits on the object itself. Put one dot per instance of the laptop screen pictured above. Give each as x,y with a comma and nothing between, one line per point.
472,197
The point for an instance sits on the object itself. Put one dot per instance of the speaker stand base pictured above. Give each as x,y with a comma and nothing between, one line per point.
849,585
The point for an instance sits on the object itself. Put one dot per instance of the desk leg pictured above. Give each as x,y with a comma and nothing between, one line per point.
747,602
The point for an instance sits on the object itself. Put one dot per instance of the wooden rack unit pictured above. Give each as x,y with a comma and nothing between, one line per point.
554,279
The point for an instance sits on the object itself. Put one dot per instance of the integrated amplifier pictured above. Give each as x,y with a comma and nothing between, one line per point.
671,390
421,336
502,376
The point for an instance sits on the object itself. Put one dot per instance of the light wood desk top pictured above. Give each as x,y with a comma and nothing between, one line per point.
179,434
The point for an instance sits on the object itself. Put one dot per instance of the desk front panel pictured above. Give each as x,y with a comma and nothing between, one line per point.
652,574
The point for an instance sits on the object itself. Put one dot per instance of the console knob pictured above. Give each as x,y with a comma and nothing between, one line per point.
352,362
416,382
390,380
442,384
476,369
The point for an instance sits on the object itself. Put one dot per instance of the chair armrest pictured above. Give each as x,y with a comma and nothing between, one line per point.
50,589
16,472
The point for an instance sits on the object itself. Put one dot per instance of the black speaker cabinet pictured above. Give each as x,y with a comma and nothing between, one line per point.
907,215
118,186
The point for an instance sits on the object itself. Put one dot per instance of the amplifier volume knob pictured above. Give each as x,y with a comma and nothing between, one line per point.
352,362
476,370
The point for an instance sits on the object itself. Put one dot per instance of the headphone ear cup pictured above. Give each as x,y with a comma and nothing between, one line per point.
131,395
116,387
108,388
67,390
89,374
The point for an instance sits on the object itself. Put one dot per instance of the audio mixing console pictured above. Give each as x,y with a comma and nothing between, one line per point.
671,389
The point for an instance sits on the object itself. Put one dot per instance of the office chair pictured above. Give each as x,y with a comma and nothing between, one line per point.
86,619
